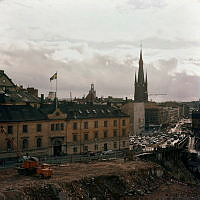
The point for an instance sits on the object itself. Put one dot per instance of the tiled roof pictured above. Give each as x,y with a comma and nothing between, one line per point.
12,96
17,113
84,111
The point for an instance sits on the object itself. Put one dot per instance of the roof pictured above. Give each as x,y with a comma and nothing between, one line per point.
19,113
18,96
84,111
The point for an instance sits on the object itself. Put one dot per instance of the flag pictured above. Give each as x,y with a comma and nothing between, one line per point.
53,77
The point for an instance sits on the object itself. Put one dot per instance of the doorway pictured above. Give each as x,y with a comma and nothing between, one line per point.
57,148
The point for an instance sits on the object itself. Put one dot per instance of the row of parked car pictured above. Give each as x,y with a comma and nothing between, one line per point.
162,139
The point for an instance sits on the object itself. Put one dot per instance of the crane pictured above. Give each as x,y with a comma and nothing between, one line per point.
157,94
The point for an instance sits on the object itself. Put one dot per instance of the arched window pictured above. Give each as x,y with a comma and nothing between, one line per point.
25,144
39,142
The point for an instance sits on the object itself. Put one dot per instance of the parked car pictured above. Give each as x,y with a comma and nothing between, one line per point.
107,152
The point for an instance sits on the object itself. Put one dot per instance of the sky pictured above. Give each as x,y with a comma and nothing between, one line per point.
98,41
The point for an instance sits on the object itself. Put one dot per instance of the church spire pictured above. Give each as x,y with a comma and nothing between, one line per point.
135,78
146,78
141,91
141,71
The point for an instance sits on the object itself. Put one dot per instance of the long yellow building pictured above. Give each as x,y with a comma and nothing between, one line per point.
70,129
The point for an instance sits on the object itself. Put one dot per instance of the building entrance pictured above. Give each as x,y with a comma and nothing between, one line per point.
57,148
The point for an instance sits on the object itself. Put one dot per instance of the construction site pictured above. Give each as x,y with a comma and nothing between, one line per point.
116,179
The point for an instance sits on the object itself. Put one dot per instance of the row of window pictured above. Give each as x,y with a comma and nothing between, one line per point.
54,127
96,135
57,127
96,147
25,144
24,128
96,124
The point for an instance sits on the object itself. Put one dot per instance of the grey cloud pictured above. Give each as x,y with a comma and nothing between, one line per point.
150,42
112,76
178,86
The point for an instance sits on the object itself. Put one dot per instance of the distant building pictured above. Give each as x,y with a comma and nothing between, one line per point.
141,93
51,96
155,115
11,94
196,128
137,116
91,97
33,91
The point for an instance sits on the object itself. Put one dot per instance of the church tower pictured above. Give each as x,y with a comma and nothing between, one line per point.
141,93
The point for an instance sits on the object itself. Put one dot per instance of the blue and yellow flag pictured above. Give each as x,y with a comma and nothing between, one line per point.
53,77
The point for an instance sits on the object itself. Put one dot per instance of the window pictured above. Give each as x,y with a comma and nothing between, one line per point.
39,142
25,129
75,126
123,132
10,129
85,136
114,133
85,148
105,134
25,144
57,127
105,123
115,145
38,127
96,147
124,143
96,124
62,126
74,137
123,122
96,135
115,123
75,149
86,125
52,127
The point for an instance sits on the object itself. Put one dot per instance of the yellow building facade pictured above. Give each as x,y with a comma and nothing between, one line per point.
25,129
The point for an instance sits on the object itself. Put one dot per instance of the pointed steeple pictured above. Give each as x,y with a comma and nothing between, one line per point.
141,91
141,71
141,54
135,78
146,78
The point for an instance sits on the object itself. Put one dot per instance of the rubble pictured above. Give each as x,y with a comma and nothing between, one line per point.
98,180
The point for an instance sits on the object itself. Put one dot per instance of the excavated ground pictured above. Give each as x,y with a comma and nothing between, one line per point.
114,180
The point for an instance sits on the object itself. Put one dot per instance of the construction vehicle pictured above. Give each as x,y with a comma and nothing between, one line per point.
29,165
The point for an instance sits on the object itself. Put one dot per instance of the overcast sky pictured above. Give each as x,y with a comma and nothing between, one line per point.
98,41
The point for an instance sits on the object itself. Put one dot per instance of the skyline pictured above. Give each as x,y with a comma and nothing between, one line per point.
98,42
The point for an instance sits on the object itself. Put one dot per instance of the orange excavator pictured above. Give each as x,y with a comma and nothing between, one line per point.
29,165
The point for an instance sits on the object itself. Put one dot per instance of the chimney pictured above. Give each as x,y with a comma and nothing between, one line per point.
42,98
